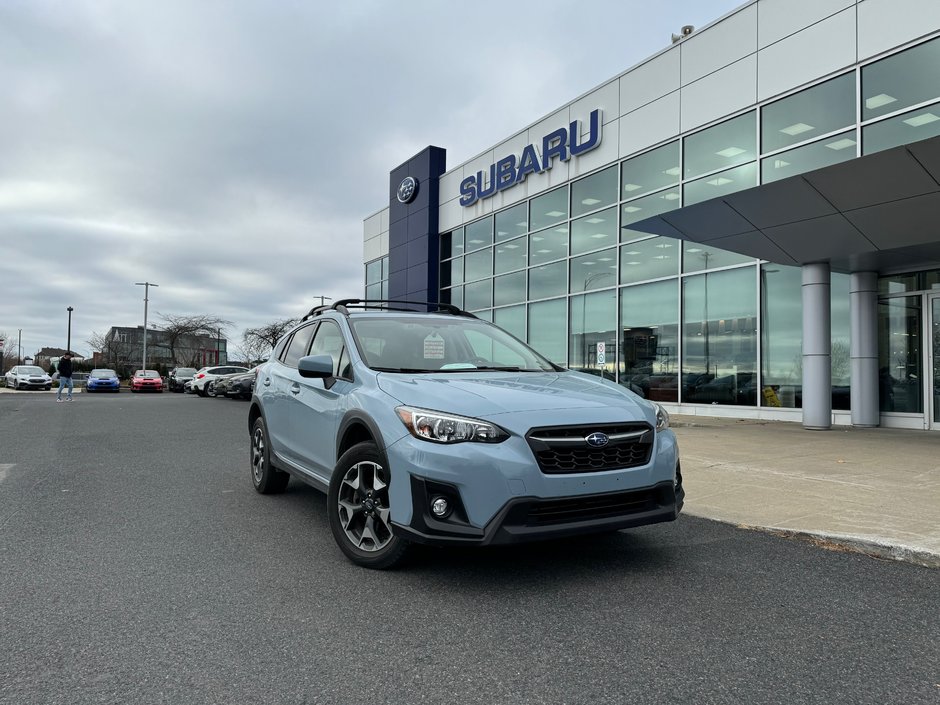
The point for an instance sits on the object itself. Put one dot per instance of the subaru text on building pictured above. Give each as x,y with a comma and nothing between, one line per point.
443,429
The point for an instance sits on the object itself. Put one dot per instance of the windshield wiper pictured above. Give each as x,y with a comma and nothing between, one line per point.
403,370
488,369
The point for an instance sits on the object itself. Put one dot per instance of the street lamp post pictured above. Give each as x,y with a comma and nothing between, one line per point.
68,343
146,286
19,345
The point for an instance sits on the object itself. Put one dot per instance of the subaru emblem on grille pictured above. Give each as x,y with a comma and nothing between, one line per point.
597,439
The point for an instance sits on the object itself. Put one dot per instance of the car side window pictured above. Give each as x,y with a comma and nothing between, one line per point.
329,341
297,347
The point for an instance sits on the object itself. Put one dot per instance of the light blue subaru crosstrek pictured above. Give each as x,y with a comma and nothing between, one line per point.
440,428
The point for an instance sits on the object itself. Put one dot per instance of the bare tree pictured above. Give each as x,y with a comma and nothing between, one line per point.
180,334
9,351
258,342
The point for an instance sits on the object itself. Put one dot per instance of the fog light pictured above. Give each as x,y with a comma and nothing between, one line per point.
440,507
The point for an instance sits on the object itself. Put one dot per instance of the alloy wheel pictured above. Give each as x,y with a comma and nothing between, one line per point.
363,506
257,455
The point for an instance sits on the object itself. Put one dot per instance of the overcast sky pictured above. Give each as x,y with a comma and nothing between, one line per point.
229,150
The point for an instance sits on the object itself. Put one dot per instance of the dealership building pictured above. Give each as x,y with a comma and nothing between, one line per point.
745,224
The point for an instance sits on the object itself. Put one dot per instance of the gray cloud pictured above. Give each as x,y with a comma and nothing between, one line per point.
230,150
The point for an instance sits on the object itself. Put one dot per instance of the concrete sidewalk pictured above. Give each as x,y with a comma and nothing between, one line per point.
872,490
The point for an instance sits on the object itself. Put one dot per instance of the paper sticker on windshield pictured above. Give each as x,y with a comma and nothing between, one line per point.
434,347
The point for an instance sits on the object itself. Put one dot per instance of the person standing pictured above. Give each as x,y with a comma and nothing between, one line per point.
65,377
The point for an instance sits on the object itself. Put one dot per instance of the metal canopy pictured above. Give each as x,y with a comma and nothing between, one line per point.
878,213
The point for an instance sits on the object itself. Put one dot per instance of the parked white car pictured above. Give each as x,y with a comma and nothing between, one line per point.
208,374
28,377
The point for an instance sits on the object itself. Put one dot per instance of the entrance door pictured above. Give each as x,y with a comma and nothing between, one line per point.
934,362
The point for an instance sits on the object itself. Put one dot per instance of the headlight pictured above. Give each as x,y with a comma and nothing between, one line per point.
662,418
446,428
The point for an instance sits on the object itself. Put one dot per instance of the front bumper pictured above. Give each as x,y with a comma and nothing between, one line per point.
533,519
500,495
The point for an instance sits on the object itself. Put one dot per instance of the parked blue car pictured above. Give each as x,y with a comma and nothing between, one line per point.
102,381
440,428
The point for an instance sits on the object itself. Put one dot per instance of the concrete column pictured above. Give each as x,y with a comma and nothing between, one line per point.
817,347
863,303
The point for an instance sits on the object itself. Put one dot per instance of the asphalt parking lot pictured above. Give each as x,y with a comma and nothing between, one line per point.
137,564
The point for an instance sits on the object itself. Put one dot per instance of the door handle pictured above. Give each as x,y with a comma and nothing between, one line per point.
295,388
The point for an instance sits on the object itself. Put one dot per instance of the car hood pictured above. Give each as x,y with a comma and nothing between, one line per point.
488,394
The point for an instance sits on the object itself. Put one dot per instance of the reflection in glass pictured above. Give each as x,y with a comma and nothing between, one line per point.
907,78
899,355
594,271
478,265
479,234
548,209
656,169
478,295
646,207
511,222
511,320
722,184
719,338
593,322
548,245
831,150
781,336
509,289
698,257
840,361
649,352
594,231
452,296
452,244
548,333
816,111
919,124
452,272
548,280
593,192
374,291
729,143
510,255
649,259
935,337
374,271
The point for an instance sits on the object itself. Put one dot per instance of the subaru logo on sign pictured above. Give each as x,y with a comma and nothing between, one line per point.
597,439
407,189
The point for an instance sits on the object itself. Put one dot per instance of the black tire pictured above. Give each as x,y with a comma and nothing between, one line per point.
201,392
359,511
210,389
266,478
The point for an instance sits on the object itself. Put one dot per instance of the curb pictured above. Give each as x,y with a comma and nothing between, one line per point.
858,544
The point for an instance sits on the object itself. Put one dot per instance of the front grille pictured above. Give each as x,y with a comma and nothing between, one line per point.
592,507
564,449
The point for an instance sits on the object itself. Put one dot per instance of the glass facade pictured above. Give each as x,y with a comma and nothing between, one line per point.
680,321
377,278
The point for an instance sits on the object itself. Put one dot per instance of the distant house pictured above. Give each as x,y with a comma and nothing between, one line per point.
124,349
44,357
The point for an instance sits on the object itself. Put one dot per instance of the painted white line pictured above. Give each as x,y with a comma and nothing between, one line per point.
5,470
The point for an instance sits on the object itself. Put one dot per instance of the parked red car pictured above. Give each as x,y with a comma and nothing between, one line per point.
144,380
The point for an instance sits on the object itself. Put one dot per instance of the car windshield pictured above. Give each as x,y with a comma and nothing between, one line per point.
30,371
438,344
185,372
147,374
103,374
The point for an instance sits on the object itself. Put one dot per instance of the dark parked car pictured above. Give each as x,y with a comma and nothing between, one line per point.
178,377
235,386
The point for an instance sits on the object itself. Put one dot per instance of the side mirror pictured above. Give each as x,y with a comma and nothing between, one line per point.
315,366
